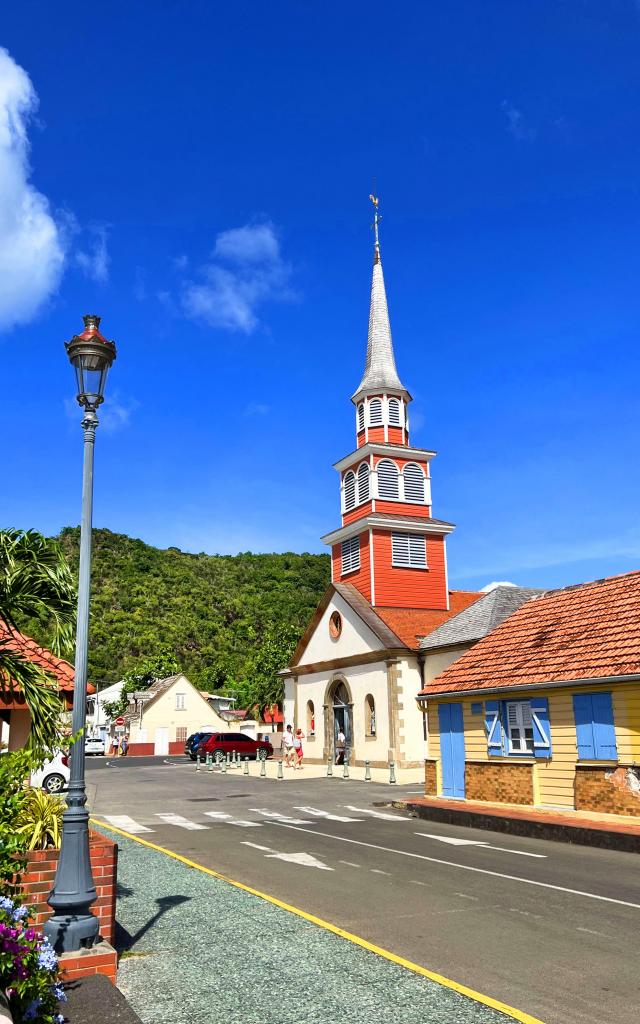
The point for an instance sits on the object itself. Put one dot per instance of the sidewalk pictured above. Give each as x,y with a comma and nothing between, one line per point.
196,948
612,831
404,776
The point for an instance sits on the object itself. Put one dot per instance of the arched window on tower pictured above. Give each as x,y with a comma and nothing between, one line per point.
375,412
311,719
349,491
394,412
387,479
369,715
363,482
413,483
361,416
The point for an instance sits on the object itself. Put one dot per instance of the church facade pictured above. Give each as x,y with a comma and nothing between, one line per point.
359,666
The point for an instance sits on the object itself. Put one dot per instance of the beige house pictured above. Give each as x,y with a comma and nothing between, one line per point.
172,711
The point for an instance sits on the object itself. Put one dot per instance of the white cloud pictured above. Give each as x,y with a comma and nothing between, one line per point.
516,124
95,260
246,270
31,249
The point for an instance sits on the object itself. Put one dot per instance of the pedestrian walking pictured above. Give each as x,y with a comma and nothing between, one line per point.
114,746
287,746
341,745
125,745
297,748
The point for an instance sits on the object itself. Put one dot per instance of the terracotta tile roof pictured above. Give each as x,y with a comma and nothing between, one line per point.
29,649
411,624
585,632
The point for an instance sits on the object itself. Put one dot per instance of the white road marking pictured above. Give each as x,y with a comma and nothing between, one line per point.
469,867
379,814
479,842
177,819
279,817
349,863
414,881
126,823
307,860
316,813
228,819
220,815
466,896
378,871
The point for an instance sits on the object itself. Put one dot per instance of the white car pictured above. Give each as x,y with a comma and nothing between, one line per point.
54,775
94,745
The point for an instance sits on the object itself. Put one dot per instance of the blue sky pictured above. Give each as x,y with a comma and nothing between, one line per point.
198,174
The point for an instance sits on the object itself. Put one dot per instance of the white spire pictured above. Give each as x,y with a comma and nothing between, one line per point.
380,371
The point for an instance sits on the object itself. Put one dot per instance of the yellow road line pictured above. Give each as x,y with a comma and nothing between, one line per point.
494,1004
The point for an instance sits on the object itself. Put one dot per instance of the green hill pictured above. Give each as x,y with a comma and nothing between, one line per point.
214,613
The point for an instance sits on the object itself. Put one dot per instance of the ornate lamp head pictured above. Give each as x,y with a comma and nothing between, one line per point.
91,356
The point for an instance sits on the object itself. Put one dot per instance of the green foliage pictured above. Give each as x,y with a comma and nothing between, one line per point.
39,822
141,679
35,584
15,768
212,613
29,969
270,653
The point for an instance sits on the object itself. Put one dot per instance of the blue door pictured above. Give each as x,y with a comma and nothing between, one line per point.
452,749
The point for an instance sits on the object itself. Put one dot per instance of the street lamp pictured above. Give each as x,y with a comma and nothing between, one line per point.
73,926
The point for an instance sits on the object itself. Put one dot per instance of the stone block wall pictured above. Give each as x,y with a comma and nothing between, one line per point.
499,782
607,789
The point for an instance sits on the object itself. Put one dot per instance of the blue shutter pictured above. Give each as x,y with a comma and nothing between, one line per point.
493,725
541,727
583,714
604,732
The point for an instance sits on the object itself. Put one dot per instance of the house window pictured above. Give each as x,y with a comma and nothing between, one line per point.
181,733
595,728
520,727
408,550
311,719
387,479
335,625
349,491
361,417
369,715
394,412
180,702
413,483
350,555
375,412
363,482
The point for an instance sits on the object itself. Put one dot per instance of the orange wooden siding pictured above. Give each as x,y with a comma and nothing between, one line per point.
396,435
403,508
409,588
361,438
376,435
357,513
401,461
361,579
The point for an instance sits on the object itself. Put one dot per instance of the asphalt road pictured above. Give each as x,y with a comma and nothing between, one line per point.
546,927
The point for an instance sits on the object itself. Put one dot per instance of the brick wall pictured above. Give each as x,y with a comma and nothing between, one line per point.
430,778
504,783
99,959
37,882
607,789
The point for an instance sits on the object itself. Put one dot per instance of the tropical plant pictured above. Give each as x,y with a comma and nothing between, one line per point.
29,970
142,678
35,583
39,821
15,768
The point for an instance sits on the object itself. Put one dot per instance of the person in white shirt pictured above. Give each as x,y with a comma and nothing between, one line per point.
341,743
287,746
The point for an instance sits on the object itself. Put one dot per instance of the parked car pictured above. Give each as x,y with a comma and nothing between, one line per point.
219,744
94,745
193,742
53,777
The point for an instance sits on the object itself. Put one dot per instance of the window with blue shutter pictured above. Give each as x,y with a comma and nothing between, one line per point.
595,728
541,727
493,727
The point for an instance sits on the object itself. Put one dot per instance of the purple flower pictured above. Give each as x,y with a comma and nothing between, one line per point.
46,957
59,993
20,913
6,903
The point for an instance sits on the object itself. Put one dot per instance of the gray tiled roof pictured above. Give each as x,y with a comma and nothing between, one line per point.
480,619
380,368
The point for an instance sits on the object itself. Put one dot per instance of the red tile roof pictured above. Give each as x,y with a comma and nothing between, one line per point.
585,632
411,624
60,669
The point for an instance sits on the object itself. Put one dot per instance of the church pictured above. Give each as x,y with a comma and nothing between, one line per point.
360,665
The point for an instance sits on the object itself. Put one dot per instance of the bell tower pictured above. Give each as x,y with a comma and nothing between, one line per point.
389,547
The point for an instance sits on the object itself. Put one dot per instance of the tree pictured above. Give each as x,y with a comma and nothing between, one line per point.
141,678
35,583
262,685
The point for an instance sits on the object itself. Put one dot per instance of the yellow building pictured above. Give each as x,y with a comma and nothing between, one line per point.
545,710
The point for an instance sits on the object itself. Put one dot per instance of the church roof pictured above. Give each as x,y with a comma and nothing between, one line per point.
480,618
411,624
380,373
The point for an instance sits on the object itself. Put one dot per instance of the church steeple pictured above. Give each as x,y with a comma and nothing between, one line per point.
380,373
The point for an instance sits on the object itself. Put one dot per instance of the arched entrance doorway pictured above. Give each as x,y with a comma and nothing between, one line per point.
341,712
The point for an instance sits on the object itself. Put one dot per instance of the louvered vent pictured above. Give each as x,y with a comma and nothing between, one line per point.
408,550
361,417
349,491
375,412
413,483
363,483
394,412
387,479
350,552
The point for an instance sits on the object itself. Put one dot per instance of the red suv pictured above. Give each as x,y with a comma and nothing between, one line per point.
219,744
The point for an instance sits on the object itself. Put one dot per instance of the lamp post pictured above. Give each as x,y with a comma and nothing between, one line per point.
73,926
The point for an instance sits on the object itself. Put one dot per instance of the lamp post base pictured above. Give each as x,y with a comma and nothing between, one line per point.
70,932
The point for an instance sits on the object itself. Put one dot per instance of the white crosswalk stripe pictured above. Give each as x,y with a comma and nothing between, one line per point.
379,814
177,819
126,823
228,819
277,816
315,812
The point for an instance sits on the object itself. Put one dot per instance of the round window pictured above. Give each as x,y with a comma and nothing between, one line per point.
335,625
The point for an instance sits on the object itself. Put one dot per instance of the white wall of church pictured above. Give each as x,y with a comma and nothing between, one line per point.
412,742
355,638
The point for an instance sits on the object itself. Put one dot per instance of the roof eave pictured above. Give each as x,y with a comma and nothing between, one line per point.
553,684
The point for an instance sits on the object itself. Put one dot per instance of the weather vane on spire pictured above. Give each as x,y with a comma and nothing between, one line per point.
376,218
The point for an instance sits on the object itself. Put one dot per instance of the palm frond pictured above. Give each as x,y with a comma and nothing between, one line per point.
19,677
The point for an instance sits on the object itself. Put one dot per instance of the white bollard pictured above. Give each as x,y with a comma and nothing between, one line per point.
392,771
367,771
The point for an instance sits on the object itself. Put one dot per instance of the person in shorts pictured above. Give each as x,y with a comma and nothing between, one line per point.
297,748
287,746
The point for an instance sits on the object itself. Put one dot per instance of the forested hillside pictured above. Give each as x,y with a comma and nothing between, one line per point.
214,613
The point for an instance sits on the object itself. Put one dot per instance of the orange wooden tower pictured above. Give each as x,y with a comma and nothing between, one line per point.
388,546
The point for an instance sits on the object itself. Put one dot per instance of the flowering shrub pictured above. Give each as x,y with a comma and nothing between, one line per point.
28,968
